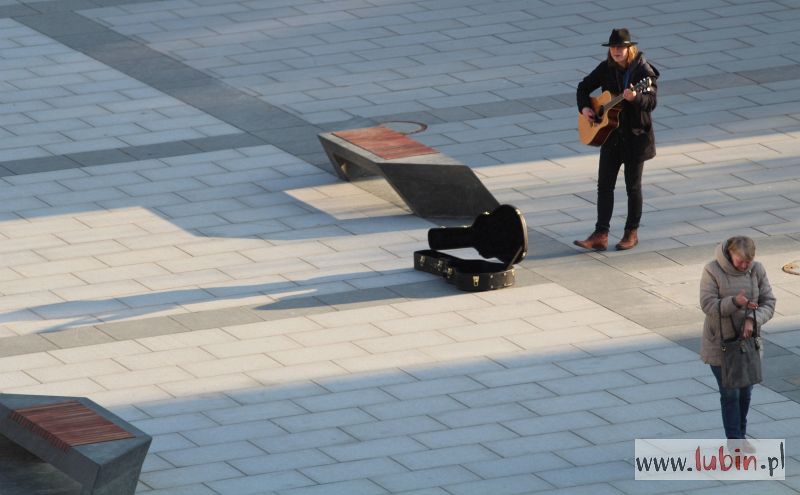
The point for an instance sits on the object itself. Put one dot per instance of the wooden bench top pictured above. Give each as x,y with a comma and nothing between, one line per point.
384,142
67,424
79,439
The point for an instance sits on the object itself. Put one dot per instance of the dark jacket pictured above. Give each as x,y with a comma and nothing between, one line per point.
635,124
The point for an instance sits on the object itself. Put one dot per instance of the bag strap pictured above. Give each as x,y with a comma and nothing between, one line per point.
736,333
747,311
756,329
719,314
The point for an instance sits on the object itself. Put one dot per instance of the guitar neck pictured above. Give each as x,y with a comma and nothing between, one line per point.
613,102
617,99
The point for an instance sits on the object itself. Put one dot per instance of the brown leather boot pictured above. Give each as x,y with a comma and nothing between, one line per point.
630,239
597,241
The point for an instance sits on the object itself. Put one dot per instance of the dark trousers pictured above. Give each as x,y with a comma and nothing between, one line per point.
735,403
611,159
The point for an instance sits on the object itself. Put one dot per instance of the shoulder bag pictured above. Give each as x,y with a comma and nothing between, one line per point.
741,358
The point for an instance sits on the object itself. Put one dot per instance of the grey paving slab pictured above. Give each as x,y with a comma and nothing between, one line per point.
600,472
508,484
445,457
211,319
394,428
414,407
365,487
501,395
372,448
353,470
578,280
27,344
554,423
425,478
82,337
282,462
139,329
433,387
257,483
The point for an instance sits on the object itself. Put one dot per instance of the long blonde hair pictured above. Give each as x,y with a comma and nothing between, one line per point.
632,52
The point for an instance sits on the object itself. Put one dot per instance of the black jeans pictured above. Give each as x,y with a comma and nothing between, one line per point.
611,158
735,403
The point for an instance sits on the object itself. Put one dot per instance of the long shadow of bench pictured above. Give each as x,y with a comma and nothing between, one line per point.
430,183
94,451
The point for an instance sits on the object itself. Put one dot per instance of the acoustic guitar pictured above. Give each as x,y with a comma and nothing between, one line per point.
606,111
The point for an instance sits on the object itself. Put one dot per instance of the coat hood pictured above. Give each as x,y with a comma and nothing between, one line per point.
640,60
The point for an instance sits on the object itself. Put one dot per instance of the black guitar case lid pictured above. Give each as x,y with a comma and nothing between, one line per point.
501,234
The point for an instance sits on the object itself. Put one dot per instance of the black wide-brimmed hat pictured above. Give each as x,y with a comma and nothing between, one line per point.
620,37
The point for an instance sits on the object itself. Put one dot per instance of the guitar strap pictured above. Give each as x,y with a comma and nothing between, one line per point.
468,275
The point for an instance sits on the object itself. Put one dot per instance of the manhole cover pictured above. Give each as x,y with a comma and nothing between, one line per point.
793,267
405,126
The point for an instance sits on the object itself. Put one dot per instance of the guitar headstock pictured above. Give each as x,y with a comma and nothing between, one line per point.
644,86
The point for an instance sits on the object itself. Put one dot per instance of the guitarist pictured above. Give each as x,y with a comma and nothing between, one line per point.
631,143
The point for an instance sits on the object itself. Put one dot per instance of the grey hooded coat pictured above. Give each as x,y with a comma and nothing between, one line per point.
720,283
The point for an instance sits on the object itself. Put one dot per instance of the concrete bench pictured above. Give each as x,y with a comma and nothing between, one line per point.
430,183
101,452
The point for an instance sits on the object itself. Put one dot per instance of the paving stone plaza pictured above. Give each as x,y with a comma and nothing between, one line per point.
175,246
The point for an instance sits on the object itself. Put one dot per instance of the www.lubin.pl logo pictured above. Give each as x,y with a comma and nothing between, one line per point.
698,459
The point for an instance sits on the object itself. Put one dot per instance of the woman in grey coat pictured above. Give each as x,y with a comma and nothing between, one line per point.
732,288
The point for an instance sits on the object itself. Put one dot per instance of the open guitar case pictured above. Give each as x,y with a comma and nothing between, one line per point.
501,234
